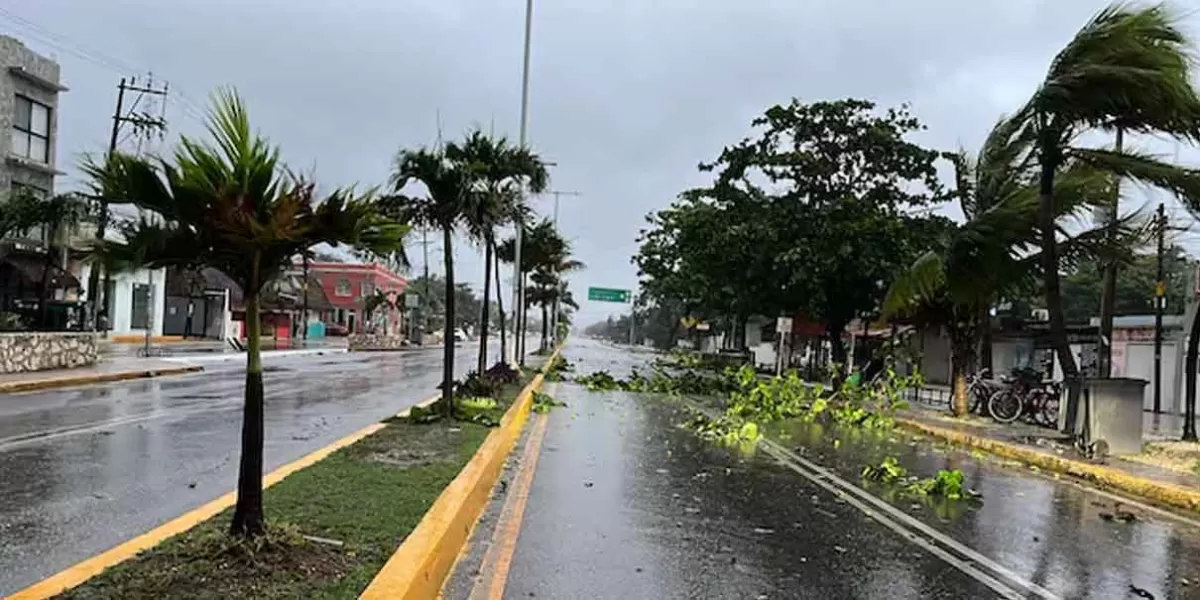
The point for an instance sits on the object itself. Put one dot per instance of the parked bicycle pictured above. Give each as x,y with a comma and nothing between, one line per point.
1027,396
980,387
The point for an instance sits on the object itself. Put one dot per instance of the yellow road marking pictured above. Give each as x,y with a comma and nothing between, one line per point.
498,560
93,566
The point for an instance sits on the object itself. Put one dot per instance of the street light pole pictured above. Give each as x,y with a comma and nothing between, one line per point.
518,279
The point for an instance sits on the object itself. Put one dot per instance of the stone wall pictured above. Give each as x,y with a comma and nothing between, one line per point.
30,351
375,341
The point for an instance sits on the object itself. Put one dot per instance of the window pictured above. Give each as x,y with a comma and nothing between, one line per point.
343,288
367,288
139,315
31,130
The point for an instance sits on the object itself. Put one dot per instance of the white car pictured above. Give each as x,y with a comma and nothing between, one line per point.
460,335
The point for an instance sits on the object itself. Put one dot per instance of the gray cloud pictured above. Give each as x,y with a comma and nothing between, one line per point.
627,96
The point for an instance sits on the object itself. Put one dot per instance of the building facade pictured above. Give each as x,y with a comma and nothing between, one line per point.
348,285
29,89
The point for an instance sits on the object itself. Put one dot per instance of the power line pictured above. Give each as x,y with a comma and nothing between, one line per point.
189,107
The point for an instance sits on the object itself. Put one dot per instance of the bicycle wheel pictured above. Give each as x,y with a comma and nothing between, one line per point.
1004,406
1047,414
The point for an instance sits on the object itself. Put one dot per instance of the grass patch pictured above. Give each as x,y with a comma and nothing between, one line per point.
369,496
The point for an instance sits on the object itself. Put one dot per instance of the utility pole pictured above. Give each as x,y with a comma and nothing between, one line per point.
304,287
559,291
1160,292
519,283
1108,290
145,125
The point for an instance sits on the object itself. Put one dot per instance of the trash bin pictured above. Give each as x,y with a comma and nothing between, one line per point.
1115,411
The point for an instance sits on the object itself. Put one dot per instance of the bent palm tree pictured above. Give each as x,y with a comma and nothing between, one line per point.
988,254
223,204
1128,68
447,200
496,171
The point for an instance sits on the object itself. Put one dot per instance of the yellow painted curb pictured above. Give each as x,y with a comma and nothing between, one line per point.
93,566
61,382
1156,491
425,558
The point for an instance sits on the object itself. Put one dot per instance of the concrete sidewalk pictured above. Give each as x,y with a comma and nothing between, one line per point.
114,369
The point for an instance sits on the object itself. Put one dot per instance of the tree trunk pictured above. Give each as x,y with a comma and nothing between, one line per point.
44,286
447,401
1189,410
500,310
487,307
961,354
248,513
837,351
985,339
545,328
1108,289
523,323
1054,305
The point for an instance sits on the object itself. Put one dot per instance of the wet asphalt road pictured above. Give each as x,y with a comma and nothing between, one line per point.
627,504
85,469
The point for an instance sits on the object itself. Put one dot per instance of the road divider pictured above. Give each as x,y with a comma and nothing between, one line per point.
425,558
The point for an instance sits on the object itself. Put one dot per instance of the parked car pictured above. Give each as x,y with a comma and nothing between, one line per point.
336,329
460,335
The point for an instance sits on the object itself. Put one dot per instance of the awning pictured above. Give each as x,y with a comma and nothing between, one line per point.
30,268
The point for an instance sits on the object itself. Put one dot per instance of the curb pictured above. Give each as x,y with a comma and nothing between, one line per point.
78,380
88,568
1162,493
424,559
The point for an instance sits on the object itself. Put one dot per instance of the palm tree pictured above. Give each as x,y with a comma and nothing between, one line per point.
229,205
988,255
1128,68
447,201
496,171
57,217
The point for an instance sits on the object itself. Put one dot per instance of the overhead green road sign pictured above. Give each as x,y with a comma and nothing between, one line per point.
609,295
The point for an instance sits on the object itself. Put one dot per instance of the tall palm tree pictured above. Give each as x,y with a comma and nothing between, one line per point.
447,201
229,205
1128,68
989,254
496,170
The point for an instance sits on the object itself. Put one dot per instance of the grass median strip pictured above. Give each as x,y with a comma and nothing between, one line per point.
333,525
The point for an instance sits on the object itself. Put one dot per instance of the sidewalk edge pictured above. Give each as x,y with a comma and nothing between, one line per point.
425,558
86,569
78,380
1099,475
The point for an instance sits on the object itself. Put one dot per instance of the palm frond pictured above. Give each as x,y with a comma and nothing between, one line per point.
922,284
1144,168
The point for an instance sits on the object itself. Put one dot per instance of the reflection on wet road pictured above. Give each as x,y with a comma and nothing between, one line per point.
88,468
626,504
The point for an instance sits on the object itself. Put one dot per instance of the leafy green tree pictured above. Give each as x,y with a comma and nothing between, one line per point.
225,204
1128,69
1135,286
497,171
839,177
447,200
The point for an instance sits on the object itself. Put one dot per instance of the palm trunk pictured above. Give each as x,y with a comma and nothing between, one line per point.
487,312
44,287
962,353
1058,327
985,338
1108,290
545,328
523,326
448,329
500,310
1189,410
248,513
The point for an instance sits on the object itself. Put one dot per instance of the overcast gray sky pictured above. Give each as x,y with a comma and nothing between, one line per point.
627,95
